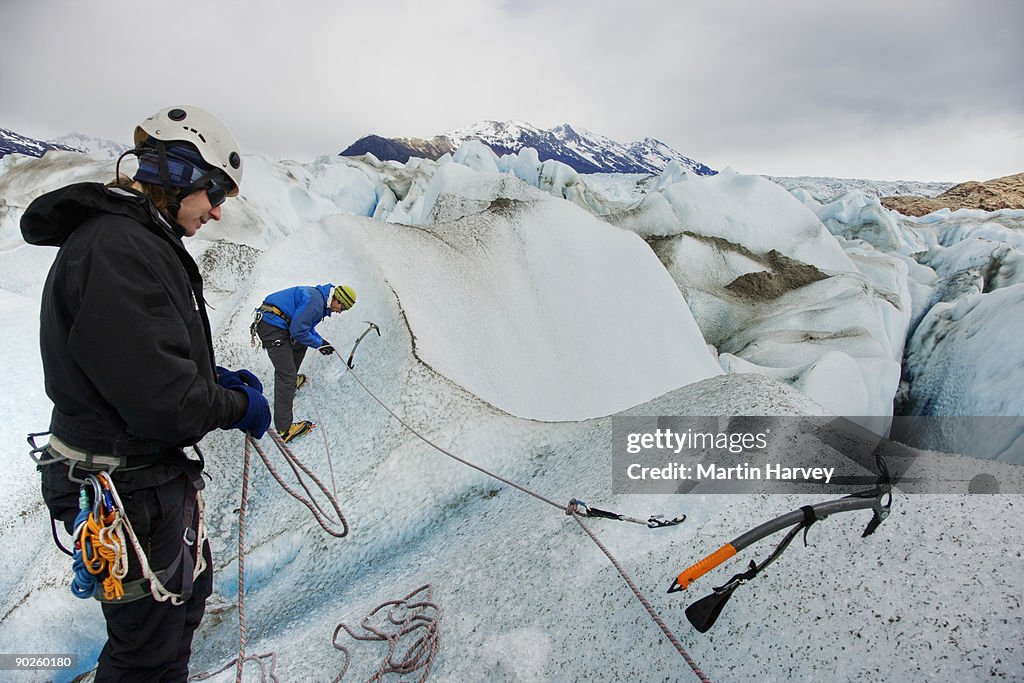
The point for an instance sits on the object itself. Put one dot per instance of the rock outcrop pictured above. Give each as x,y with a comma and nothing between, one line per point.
1001,193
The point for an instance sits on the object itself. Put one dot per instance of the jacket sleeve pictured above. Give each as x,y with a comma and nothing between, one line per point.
308,312
133,336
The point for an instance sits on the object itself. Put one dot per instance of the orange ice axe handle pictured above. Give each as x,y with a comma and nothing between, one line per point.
691,574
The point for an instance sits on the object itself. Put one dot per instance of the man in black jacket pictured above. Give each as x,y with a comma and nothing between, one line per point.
129,365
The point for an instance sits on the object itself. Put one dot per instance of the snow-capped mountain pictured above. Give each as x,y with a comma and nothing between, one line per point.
15,143
91,145
584,151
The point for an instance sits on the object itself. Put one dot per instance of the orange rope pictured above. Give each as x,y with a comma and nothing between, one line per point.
102,551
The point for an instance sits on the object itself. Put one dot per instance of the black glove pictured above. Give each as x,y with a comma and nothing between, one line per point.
326,349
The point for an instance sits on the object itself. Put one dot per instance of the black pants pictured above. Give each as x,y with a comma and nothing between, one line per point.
147,640
286,355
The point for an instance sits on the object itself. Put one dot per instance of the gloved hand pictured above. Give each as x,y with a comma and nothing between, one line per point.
326,349
257,416
236,379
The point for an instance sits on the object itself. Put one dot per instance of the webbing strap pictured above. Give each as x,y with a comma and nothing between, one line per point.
165,174
193,485
188,542
271,308
59,451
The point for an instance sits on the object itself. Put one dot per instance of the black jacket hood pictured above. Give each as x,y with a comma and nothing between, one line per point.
50,218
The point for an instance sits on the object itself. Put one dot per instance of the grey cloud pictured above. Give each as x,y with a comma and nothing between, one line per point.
765,87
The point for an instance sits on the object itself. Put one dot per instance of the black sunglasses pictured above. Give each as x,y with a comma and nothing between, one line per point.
216,184
216,193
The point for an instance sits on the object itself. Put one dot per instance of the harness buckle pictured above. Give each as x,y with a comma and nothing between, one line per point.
38,451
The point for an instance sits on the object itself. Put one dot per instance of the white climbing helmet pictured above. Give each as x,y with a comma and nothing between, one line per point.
200,128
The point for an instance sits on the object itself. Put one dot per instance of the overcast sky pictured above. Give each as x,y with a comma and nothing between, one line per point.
893,89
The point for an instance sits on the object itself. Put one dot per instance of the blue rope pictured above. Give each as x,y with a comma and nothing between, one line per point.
84,584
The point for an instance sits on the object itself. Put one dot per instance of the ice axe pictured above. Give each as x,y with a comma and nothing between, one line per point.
703,613
372,327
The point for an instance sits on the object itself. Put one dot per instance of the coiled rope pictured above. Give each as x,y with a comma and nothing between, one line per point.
104,538
104,551
100,548
413,614
336,525
572,509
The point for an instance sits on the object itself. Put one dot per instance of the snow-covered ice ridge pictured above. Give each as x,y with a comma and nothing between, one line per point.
829,189
522,307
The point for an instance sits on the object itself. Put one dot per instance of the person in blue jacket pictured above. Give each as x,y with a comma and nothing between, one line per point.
286,326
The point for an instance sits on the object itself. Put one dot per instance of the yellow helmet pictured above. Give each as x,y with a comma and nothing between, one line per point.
344,295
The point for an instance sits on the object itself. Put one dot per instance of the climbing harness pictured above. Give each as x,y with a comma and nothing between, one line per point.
57,450
703,613
258,316
271,308
102,530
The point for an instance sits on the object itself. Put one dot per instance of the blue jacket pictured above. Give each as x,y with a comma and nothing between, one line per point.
305,307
